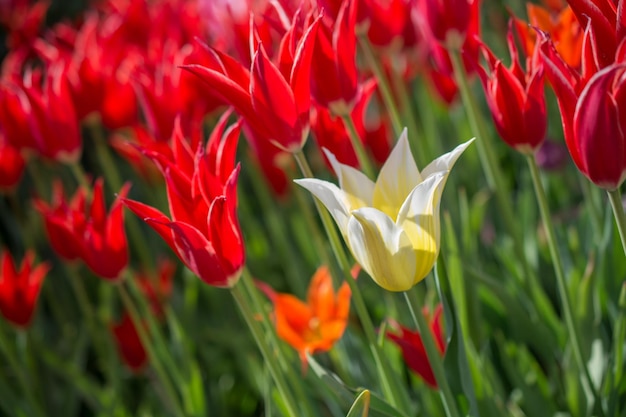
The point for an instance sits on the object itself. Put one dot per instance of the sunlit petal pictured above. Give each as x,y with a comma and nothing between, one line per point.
382,248
398,176
332,197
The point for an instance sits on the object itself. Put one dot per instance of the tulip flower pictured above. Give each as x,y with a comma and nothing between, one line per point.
563,28
314,325
158,288
90,234
599,128
129,344
592,110
334,72
11,165
19,289
413,351
515,97
330,132
42,118
391,226
202,193
274,99
449,21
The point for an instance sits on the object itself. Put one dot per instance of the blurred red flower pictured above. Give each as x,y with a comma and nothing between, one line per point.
19,289
413,351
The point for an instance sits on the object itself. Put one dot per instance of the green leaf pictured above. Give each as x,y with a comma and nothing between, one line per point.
361,405
346,393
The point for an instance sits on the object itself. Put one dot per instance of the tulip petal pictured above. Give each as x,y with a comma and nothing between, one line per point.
358,188
597,131
419,218
332,197
383,249
398,176
446,161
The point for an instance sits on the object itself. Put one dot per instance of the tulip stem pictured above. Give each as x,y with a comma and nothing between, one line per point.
80,175
270,361
434,358
485,151
560,278
294,381
618,211
171,396
357,144
392,390
22,376
383,85
147,312
495,181
101,340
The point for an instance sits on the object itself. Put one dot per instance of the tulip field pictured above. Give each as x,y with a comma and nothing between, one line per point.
312,208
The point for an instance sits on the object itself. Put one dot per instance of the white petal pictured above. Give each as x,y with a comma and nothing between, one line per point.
419,218
382,249
359,188
446,161
397,178
331,197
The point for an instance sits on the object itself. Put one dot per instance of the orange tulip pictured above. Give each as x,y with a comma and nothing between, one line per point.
314,325
562,27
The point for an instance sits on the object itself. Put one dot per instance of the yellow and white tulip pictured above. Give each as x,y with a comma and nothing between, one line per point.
392,226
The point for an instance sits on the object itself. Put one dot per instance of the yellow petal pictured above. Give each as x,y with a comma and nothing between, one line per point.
382,248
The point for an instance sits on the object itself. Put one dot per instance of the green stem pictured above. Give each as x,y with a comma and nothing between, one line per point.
80,176
294,380
560,277
270,361
383,85
147,313
492,170
276,226
357,144
393,391
172,397
102,346
22,377
591,196
434,358
104,156
87,388
618,211
495,180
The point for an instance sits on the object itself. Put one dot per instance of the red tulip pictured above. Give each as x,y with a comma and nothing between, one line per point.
334,72
19,289
202,193
90,234
413,351
273,99
592,106
129,344
516,99
330,132
42,118
599,128
389,22
158,288
11,165
449,21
